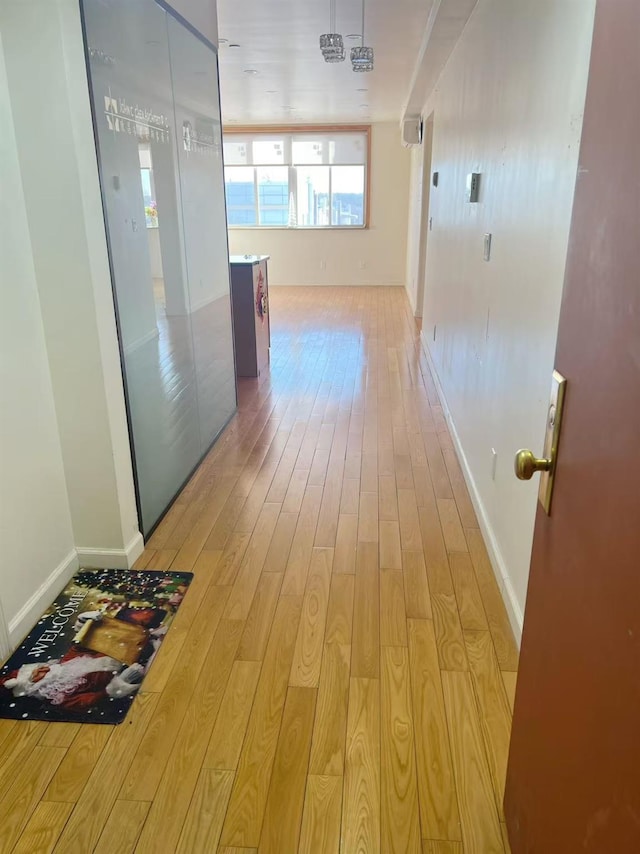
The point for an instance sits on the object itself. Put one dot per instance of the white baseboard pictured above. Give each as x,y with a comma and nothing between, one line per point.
90,558
498,564
139,342
31,611
275,284
5,644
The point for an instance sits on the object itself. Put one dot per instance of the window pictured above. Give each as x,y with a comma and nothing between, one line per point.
306,178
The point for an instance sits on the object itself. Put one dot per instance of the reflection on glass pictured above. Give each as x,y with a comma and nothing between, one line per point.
159,143
273,195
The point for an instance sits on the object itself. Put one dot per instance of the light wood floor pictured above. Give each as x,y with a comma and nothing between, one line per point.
341,674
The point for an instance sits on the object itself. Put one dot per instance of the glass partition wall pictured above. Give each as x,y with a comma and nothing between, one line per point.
154,88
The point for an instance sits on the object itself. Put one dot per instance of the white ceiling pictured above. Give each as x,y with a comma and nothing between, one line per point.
279,40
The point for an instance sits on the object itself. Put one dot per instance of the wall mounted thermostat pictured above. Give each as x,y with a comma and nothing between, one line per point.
473,186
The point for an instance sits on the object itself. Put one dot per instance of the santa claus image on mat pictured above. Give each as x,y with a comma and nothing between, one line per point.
78,680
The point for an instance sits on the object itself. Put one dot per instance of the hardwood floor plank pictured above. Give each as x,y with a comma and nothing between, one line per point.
171,803
245,813
307,657
416,586
459,487
437,846
435,553
327,527
329,732
283,812
390,552
43,828
400,824
228,565
339,628
295,491
321,816
203,824
365,647
451,528
470,607
495,713
423,487
409,520
437,467
497,618
346,543
27,789
78,764
25,738
258,624
319,465
439,814
295,577
509,679
151,757
59,735
87,821
451,649
350,497
368,518
280,546
244,588
123,827
228,733
361,797
387,499
404,471
393,620
225,523
480,825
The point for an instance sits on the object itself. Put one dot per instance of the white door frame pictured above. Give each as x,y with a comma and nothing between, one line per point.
427,149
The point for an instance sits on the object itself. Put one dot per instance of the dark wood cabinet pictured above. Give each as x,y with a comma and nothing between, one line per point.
250,296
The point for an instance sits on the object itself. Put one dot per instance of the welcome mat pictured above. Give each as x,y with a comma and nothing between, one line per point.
86,658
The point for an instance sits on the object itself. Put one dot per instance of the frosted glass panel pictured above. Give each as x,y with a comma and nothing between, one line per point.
199,133
159,147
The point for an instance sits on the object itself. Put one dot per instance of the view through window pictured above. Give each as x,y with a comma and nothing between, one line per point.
301,179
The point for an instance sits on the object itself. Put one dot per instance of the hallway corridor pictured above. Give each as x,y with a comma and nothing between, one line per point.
341,674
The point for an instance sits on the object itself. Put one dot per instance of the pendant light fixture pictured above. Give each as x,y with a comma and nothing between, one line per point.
362,57
331,43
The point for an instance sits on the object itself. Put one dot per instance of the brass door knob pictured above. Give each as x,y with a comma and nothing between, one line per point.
526,465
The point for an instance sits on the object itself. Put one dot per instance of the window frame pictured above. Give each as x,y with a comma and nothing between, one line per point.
255,131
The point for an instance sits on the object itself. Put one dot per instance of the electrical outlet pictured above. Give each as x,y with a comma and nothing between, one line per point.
323,264
494,463
362,265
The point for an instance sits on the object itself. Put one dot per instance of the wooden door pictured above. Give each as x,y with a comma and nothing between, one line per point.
573,783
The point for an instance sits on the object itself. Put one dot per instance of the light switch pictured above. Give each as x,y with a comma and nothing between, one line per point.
473,186
487,247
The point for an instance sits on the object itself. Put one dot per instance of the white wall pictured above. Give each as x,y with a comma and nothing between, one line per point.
35,520
508,105
335,256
